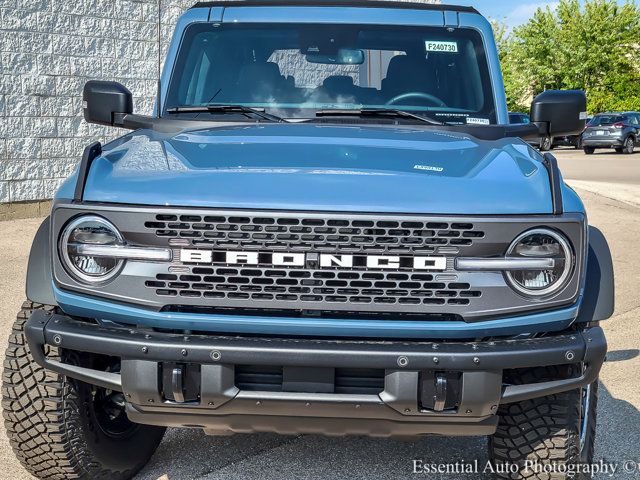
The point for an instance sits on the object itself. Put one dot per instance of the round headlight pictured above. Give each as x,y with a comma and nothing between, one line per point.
88,231
541,243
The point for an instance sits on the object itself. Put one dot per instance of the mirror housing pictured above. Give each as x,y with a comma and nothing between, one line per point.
103,101
559,112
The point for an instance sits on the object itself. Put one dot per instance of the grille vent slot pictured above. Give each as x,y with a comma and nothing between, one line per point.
312,234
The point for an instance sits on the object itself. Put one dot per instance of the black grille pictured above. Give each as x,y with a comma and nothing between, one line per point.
258,378
313,287
314,234
352,381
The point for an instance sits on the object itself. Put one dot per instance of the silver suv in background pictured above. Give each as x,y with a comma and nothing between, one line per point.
620,131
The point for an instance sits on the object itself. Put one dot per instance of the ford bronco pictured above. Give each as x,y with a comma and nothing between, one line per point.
327,226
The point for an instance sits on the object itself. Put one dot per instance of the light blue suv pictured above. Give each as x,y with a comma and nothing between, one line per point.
329,226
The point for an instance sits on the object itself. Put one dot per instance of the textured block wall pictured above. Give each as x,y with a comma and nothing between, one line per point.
48,50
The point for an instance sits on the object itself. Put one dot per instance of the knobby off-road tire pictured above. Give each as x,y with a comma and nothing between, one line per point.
546,430
55,425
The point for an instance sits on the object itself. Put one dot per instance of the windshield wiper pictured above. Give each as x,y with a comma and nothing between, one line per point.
377,112
224,109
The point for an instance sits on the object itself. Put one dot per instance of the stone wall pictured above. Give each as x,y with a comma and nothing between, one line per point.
48,50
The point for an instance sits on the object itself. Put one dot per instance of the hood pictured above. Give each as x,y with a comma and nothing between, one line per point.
323,168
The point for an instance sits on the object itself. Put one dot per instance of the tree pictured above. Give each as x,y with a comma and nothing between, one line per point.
594,47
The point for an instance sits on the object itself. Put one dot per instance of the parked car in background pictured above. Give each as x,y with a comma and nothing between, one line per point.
544,143
518,118
620,131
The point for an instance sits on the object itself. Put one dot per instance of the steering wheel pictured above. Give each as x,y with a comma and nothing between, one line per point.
423,96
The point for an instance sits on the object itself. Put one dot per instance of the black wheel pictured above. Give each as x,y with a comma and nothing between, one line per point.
546,144
589,150
552,434
629,146
60,428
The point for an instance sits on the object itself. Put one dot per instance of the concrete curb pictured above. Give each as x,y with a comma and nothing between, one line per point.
20,210
621,192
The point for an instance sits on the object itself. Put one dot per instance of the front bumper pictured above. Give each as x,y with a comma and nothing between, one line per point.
222,407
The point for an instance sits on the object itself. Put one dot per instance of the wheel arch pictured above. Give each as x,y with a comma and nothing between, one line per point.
39,287
599,292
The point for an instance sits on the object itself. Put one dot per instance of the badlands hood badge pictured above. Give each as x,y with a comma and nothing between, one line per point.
428,168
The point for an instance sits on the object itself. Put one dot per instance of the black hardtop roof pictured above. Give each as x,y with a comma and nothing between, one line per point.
415,5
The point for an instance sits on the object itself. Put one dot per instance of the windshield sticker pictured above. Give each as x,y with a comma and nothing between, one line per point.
445,47
478,121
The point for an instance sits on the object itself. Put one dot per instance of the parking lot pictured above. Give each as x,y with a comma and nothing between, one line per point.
610,186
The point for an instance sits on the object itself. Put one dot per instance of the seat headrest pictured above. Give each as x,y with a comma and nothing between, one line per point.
404,65
268,72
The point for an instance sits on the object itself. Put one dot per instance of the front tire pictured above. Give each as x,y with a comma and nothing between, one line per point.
555,433
589,150
546,144
578,145
61,428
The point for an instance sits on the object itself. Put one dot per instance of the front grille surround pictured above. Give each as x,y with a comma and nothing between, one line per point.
304,291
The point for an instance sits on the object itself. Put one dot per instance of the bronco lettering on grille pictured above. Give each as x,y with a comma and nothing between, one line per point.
311,260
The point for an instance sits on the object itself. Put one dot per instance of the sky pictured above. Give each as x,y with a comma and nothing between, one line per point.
513,12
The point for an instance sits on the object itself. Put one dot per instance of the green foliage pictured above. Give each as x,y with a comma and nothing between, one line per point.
594,47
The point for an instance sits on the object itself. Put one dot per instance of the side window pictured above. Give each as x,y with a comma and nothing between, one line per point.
634,119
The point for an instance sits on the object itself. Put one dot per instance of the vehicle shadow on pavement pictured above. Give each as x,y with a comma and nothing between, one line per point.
189,454
622,355
618,434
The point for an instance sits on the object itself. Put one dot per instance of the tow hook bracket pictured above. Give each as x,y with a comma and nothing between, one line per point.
177,386
440,396
181,382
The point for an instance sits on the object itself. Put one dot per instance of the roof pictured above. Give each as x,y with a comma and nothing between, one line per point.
410,5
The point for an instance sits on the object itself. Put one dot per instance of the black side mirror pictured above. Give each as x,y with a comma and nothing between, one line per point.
103,102
559,112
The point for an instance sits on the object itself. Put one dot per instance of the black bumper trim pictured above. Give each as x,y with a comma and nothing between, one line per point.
588,346
222,408
62,331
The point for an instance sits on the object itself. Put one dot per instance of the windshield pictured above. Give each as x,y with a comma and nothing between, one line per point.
295,70
603,120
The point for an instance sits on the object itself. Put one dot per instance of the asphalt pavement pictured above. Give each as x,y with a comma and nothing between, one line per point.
601,167
189,454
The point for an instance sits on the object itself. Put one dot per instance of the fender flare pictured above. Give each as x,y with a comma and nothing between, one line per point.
599,293
39,275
